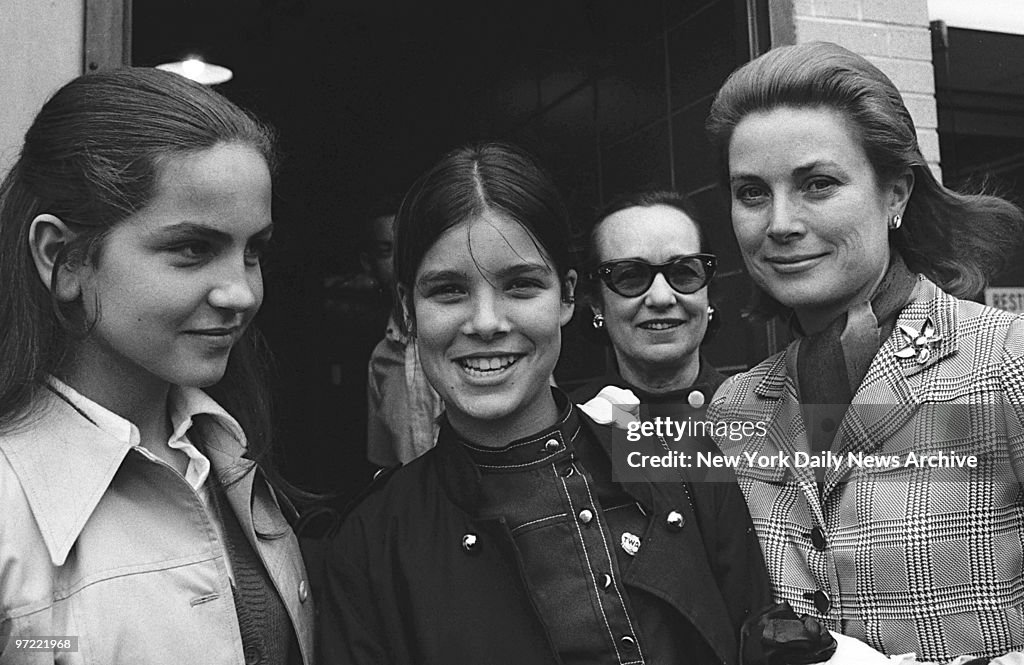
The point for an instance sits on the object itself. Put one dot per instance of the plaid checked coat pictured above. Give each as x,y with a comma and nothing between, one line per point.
907,559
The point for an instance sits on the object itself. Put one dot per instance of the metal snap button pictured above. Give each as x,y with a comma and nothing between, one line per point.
568,471
303,591
606,580
586,515
552,445
675,521
470,543
627,642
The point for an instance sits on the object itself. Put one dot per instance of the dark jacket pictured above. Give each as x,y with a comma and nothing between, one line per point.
404,587
707,382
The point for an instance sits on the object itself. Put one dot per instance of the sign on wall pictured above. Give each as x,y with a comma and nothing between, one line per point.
1010,298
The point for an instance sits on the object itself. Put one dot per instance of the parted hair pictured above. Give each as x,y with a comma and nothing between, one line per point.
92,158
470,181
959,240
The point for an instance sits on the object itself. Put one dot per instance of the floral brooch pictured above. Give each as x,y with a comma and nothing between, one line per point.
918,344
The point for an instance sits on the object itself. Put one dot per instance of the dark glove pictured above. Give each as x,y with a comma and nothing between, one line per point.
777,636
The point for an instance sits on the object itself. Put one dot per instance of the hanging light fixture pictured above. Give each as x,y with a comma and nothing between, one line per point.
198,70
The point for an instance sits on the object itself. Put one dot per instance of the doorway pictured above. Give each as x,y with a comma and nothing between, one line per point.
611,96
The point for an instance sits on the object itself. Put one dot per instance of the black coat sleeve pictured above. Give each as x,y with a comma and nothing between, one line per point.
733,549
350,631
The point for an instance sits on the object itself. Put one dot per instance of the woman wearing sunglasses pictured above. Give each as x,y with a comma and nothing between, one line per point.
649,265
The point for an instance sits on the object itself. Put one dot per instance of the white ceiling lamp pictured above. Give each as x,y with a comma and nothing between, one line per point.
196,69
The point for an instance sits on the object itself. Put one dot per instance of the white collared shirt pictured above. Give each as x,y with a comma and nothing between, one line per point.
184,406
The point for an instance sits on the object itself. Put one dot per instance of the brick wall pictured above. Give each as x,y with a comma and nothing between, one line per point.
893,34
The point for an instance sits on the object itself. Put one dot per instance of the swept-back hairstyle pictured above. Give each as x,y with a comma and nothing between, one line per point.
470,181
957,240
92,157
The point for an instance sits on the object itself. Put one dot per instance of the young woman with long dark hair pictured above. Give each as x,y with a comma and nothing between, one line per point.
140,513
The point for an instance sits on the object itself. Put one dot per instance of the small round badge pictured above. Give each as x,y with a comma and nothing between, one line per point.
630,543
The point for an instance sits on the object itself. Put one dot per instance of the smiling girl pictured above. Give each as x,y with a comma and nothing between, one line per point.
510,541
137,513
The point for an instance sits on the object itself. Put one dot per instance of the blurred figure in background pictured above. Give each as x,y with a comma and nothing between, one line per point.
402,408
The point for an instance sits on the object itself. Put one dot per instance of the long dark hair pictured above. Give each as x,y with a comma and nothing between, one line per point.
91,158
958,240
470,181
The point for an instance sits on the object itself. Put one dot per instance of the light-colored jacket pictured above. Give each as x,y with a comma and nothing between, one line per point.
402,407
101,542
908,558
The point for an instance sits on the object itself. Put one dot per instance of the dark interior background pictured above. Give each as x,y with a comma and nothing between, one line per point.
365,95
610,95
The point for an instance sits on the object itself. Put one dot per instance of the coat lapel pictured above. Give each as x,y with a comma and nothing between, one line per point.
65,464
890,393
670,565
789,428
787,432
242,482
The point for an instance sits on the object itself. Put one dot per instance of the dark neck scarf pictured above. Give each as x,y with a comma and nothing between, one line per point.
832,363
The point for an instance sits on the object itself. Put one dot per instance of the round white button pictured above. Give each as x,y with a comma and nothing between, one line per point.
675,520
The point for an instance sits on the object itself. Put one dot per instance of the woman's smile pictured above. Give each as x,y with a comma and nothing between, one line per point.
489,310
488,367
791,264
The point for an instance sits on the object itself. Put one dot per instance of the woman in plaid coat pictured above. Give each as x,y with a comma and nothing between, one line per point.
886,491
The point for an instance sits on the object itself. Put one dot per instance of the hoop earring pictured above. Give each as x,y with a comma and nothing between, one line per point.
598,321
896,222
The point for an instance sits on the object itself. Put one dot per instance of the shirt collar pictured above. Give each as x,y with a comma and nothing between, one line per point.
546,446
66,457
185,405
120,429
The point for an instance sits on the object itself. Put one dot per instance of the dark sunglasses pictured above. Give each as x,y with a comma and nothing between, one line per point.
632,277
